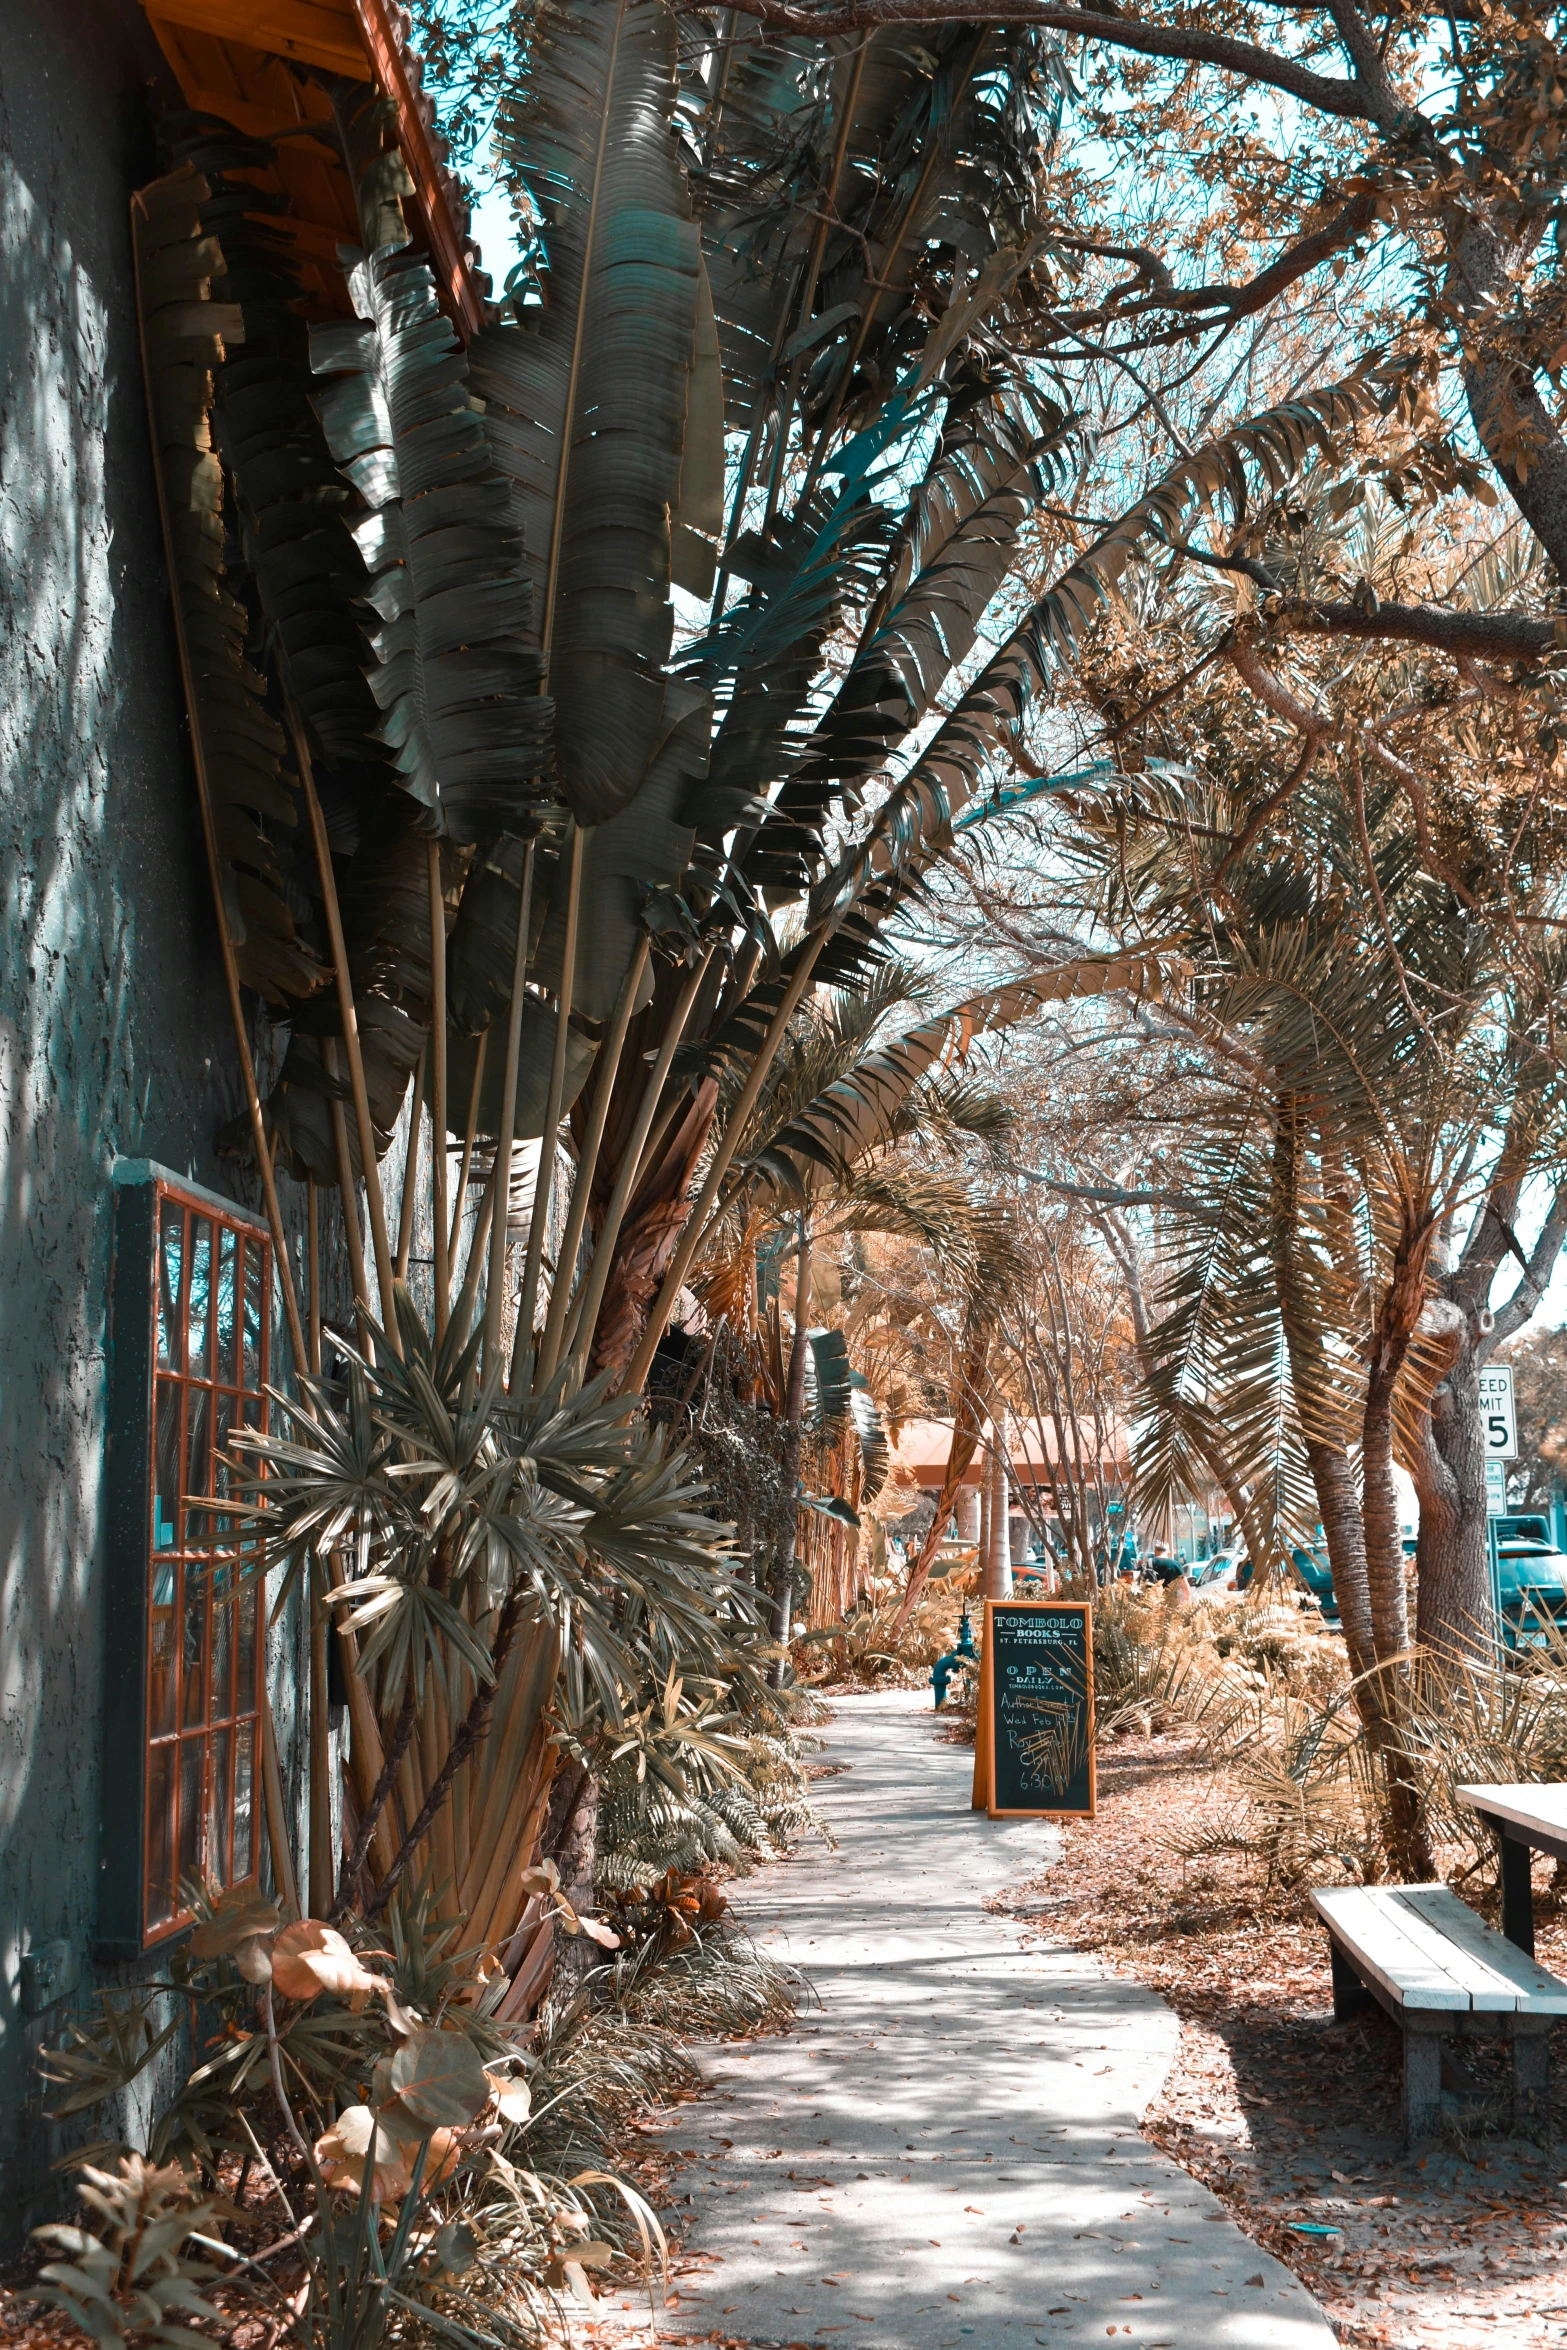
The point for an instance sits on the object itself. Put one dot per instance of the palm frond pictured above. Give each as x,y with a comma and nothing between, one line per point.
455,678
185,337
600,407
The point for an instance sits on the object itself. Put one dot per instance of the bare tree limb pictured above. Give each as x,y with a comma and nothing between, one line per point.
1353,101
1537,1272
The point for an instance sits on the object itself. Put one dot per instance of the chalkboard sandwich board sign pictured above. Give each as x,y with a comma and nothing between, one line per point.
1034,1751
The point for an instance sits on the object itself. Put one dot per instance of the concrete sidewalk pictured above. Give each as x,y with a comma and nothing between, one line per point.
948,2150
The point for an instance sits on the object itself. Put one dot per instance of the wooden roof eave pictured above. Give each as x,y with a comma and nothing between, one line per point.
239,59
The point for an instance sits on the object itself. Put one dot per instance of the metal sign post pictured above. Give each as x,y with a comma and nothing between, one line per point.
1499,1424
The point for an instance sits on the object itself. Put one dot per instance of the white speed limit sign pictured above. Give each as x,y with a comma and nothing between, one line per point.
1497,1417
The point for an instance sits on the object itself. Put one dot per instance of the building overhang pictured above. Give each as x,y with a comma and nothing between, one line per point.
256,62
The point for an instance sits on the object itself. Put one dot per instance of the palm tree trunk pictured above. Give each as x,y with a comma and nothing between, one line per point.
965,1443
1327,1455
998,1556
1455,1614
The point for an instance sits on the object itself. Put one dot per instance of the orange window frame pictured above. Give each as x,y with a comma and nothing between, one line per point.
205,1598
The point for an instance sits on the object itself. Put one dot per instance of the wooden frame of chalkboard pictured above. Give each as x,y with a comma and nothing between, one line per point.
1069,1724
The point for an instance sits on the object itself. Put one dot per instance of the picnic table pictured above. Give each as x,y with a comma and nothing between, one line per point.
1525,1820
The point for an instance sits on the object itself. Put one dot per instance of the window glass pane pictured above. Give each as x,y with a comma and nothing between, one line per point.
228,1305
198,1461
222,1475
222,1655
160,1662
171,1261
167,1483
188,1842
193,1659
244,1801
218,1815
205,1637
160,1840
198,1312
251,1365
247,1603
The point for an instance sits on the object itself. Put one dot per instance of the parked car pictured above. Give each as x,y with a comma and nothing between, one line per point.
1525,1526
1311,1566
1213,1575
1532,1587
1227,1572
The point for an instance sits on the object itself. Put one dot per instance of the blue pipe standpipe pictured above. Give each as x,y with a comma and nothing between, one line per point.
965,1653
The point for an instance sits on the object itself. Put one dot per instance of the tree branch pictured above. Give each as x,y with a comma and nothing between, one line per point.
1354,101
1537,1272
1206,307
1467,636
1487,636
1116,1196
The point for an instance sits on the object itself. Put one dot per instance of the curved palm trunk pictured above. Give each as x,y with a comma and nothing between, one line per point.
1455,1613
1409,1843
1327,1457
998,1552
1359,1528
1400,1313
965,1443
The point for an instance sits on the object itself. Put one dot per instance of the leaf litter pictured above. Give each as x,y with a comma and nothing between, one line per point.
1289,2118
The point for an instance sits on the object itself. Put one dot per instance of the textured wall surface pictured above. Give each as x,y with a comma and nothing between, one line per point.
114,1034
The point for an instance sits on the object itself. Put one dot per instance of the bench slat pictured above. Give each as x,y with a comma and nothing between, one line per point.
1543,1807
1391,1944
1519,1983
1431,1952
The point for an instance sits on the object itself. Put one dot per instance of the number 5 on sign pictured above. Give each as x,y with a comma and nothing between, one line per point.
1497,1416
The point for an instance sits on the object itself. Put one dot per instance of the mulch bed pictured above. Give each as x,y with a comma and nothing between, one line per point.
1287,2116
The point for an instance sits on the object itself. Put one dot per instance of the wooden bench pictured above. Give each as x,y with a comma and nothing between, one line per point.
1441,1972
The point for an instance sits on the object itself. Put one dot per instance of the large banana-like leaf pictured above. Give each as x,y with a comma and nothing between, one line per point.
697,523
954,553
291,498
921,812
756,117
642,850
762,657
185,335
831,1379
481,949
456,682
533,1071
385,905
311,581
820,177
875,1451
596,404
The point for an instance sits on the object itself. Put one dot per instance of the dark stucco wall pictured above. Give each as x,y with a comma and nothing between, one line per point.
114,1033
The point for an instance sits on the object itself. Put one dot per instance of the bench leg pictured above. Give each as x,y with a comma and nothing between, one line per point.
1349,1992
1517,1894
1422,2085
1531,2082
